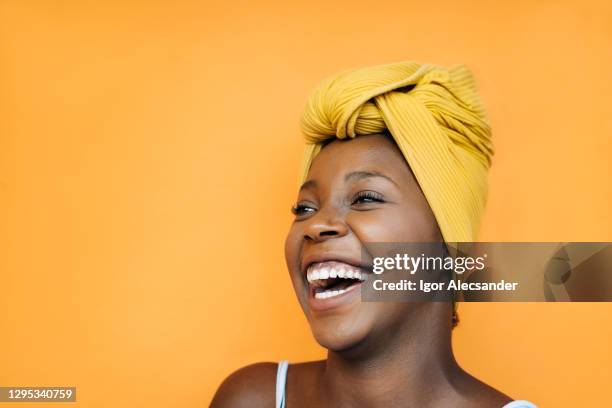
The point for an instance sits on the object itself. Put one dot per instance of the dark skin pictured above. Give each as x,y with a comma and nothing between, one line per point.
380,354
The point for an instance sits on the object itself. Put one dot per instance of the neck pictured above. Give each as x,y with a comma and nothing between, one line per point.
409,365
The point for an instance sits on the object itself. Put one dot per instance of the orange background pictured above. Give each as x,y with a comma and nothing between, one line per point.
148,159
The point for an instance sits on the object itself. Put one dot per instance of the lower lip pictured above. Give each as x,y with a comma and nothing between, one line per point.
346,298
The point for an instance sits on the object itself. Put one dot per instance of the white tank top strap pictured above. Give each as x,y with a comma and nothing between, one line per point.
519,404
281,380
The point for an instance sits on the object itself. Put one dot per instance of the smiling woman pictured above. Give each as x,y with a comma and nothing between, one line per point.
396,153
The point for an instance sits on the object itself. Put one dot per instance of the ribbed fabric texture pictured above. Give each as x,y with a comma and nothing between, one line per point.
437,120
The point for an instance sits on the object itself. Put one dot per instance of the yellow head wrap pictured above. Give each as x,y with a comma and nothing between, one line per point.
437,120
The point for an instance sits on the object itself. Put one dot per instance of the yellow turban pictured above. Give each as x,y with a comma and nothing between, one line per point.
437,120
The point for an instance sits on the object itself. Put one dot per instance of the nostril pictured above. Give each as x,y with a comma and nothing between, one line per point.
328,233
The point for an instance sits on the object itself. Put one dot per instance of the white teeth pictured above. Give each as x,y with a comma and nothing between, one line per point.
332,293
329,294
332,270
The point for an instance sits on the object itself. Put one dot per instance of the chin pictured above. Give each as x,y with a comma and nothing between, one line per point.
340,334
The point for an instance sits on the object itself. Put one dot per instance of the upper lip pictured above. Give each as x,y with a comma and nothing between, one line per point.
328,257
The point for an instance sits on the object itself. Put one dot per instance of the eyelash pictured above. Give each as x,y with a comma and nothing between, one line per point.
300,209
369,195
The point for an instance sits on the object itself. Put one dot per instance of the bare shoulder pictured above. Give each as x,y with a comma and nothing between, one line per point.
251,386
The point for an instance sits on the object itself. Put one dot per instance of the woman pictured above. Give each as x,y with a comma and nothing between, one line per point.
395,153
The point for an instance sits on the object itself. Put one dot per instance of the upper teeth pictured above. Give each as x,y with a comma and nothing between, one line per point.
332,269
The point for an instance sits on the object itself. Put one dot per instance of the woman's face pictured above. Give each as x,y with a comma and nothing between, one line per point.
357,191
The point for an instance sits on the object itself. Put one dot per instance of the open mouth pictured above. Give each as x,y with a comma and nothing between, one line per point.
331,278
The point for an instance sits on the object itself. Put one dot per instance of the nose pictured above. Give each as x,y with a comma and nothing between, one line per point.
325,225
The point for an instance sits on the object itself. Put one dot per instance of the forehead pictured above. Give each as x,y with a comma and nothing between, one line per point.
371,152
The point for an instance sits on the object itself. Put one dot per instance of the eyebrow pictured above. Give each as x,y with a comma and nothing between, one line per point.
354,175
309,184
360,175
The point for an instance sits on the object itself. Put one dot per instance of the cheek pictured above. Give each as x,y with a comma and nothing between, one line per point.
292,249
399,224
